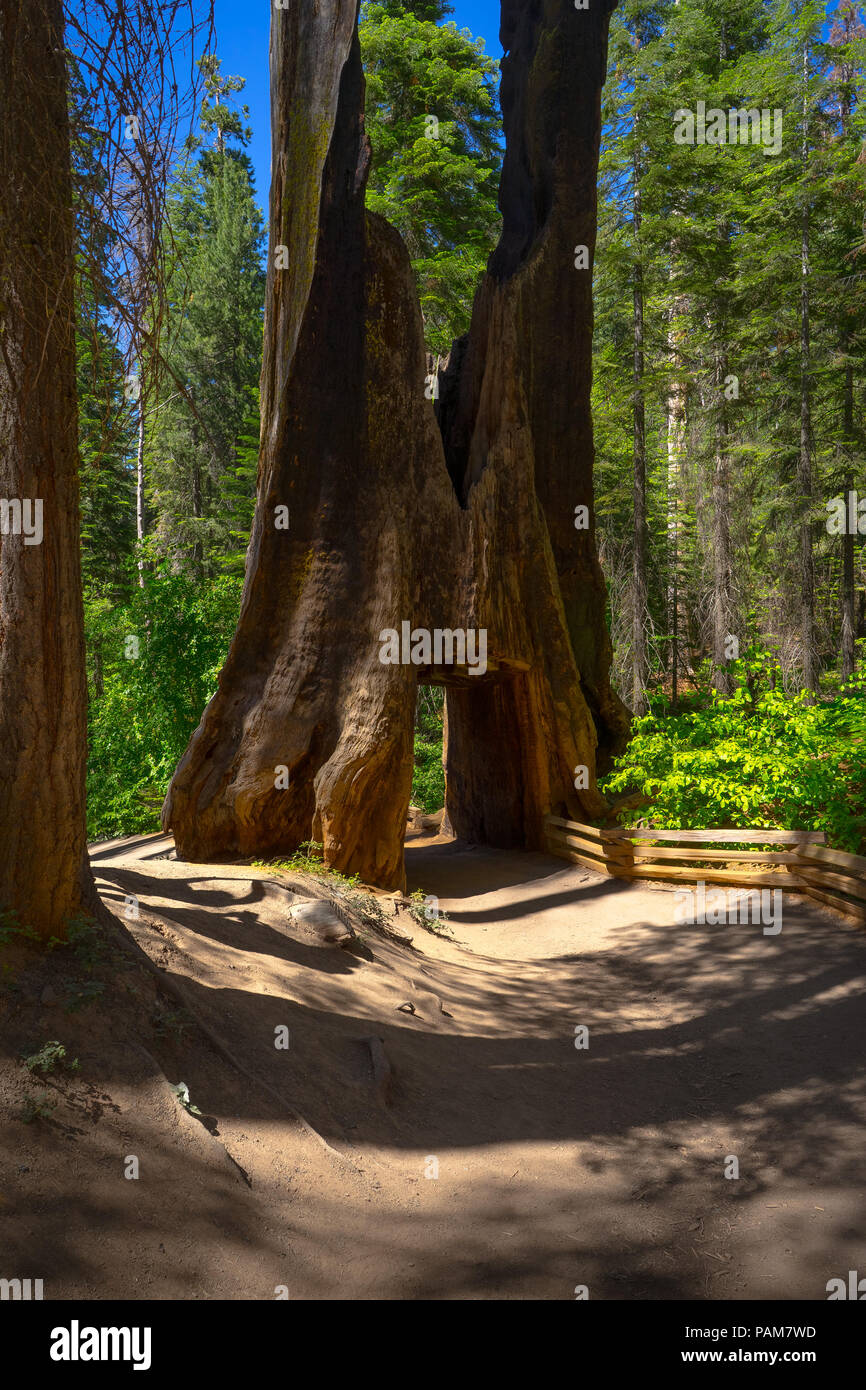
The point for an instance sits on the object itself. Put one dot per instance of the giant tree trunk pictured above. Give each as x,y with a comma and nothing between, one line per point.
470,521
44,874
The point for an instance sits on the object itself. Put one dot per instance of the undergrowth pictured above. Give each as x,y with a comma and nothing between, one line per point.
757,759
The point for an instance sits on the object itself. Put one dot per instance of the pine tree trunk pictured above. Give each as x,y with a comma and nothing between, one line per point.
44,872
701,641
495,486
804,479
847,591
848,614
721,526
676,428
139,482
804,466
640,591
197,506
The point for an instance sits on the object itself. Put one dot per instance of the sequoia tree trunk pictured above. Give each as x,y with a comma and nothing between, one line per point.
44,873
310,734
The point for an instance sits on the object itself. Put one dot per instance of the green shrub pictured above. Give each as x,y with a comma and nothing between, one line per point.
757,759
50,1056
148,694
428,777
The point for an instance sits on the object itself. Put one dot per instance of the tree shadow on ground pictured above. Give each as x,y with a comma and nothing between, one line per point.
704,1043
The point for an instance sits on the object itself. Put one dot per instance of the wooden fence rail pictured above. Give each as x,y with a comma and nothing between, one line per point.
798,860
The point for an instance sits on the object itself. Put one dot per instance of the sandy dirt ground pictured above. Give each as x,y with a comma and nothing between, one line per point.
431,1131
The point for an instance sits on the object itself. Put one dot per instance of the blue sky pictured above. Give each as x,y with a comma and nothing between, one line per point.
242,28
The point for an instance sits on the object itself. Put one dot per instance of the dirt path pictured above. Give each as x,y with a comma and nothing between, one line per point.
470,1149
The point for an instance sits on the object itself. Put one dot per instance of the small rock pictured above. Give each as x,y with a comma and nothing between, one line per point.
323,918
48,996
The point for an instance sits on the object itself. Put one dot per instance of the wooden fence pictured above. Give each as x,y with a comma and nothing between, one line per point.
797,860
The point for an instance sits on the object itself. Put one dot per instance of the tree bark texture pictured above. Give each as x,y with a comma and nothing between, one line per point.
44,873
458,515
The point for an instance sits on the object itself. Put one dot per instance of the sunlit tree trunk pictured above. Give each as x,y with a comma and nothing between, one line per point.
496,485
44,874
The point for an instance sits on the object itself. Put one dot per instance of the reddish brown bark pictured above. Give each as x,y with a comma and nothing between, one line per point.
44,874
463,522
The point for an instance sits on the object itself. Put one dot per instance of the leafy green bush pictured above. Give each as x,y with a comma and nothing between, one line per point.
153,665
308,858
428,777
50,1056
759,759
